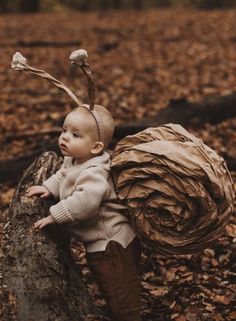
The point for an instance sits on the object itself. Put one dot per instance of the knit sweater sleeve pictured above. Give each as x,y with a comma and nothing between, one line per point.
53,183
84,203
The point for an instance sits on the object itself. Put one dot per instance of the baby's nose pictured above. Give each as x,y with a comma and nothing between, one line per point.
65,136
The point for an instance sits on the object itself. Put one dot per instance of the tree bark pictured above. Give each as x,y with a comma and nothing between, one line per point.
41,281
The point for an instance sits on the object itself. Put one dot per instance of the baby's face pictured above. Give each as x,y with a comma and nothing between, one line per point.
79,135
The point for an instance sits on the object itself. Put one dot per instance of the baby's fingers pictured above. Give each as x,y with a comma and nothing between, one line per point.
45,194
33,190
30,193
39,224
36,225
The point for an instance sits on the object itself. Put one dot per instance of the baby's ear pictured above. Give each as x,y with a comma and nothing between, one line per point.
97,148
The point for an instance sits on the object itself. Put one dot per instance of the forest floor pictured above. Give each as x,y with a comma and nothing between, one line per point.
141,61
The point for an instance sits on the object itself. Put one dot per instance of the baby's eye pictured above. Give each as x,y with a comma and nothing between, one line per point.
76,135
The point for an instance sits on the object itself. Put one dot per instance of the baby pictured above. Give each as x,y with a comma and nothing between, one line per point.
89,206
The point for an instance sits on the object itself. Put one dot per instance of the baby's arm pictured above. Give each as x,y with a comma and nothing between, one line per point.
84,203
49,187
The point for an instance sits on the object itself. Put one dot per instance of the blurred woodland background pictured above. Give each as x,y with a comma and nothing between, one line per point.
145,55
55,5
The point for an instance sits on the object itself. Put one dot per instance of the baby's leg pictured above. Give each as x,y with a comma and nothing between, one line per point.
116,272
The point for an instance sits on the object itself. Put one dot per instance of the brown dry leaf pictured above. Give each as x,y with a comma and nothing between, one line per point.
100,302
214,262
224,299
182,268
173,305
186,277
193,313
180,318
173,316
232,315
231,230
171,274
148,275
209,252
160,291
6,196
209,307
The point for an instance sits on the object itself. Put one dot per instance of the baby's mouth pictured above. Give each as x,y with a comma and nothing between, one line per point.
63,146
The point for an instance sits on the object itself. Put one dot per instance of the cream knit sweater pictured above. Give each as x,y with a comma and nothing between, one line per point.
88,203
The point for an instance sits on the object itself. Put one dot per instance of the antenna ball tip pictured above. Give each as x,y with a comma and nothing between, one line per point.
80,55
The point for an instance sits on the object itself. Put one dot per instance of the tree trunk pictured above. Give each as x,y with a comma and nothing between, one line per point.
29,5
41,281
117,4
211,4
3,6
105,4
138,4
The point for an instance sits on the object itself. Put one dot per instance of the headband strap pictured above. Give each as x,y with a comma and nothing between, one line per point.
98,121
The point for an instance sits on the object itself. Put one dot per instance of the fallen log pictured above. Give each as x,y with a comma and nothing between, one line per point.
41,281
213,109
42,43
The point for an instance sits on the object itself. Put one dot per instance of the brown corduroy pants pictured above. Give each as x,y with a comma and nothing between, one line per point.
116,272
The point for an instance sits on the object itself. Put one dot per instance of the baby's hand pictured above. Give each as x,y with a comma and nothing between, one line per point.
38,190
44,221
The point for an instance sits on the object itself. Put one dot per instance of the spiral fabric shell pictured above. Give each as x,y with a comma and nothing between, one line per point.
178,190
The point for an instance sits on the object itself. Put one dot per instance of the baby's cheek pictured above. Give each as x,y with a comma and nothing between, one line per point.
59,139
